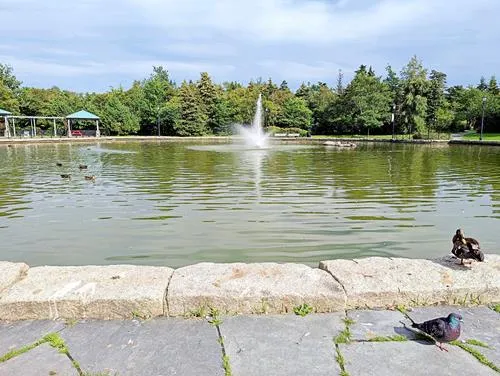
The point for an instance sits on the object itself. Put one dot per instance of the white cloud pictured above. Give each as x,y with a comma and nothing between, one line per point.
312,21
138,68
70,43
299,71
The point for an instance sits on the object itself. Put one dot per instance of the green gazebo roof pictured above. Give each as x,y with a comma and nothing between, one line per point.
4,112
83,115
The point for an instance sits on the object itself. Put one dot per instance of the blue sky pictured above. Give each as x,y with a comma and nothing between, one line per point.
91,45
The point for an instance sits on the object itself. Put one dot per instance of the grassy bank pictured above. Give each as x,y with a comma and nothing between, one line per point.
486,136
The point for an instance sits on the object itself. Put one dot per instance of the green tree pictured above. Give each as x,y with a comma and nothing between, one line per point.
366,101
9,89
493,86
193,119
296,114
414,88
435,98
482,84
156,92
208,94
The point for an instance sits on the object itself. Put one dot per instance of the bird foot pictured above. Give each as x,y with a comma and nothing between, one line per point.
442,348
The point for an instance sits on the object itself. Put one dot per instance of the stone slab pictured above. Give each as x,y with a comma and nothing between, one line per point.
146,348
282,345
252,288
369,324
20,333
409,358
103,292
11,272
480,323
40,361
378,282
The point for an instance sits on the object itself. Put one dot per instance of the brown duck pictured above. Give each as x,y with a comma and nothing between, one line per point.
466,248
91,177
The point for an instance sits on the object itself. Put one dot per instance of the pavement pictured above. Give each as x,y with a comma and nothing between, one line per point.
356,342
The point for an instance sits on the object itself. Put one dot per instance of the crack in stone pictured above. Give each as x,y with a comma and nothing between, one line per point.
166,306
341,285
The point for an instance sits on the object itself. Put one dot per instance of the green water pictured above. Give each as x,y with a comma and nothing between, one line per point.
174,204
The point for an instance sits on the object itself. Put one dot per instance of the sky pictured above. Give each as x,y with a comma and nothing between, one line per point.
92,45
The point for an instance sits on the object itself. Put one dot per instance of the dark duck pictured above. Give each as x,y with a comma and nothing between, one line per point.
442,329
466,248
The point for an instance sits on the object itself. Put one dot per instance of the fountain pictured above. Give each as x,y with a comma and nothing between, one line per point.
254,136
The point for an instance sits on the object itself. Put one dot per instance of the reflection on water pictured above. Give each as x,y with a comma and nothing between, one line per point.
176,204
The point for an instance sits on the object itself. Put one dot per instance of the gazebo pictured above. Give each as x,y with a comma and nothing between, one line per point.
4,114
83,115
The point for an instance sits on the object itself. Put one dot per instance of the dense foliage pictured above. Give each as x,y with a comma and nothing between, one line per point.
421,102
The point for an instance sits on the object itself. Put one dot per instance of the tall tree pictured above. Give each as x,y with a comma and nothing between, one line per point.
340,83
482,84
193,119
436,97
208,95
493,86
366,101
414,88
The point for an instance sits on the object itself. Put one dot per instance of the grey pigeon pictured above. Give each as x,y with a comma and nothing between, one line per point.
442,329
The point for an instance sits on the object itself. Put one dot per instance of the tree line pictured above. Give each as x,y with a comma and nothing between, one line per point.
419,101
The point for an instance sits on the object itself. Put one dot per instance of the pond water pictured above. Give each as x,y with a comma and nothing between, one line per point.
166,203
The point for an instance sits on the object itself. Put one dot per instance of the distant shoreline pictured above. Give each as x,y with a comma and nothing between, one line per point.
298,140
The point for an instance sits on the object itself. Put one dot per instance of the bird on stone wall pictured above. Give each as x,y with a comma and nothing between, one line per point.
442,329
466,248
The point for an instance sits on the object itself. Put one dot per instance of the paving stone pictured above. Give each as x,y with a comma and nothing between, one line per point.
10,272
480,323
369,324
253,288
409,358
158,347
101,292
282,345
381,282
40,361
20,333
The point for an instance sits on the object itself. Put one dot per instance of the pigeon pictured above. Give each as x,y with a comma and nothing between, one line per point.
442,329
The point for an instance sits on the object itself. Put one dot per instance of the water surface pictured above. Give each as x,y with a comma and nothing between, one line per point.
164,203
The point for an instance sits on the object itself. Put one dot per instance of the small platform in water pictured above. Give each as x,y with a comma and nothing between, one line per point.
341,144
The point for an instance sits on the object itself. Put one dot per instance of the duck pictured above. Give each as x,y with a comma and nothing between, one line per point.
461,251
90,177
66,176
471,243
83,167
59,164
466,248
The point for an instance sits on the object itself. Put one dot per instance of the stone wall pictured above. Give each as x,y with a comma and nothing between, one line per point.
126,291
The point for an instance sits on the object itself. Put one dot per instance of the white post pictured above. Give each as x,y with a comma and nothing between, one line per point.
69,127
34,127
55,130
97,132
14,126
7,130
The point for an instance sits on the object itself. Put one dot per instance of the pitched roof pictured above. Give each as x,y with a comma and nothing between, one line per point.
4,112
84,115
